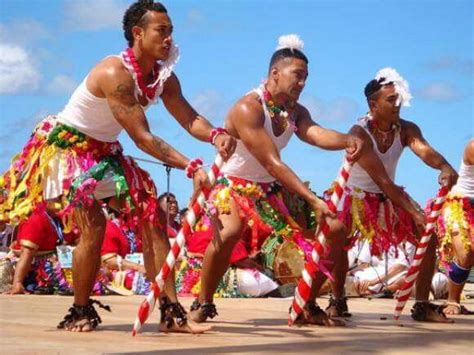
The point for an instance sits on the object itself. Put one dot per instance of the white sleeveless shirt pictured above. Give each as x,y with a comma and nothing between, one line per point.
243,164
92,116
359,178
465,183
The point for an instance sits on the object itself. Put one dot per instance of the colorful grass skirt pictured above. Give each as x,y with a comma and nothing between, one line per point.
457,217
268,211
373,217
63,165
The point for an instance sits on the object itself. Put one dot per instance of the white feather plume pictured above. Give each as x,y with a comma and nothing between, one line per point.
390,75
292,41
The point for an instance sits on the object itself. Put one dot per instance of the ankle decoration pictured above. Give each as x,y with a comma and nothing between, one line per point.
313,308
172,312
340,305
208,309
420,310
83,312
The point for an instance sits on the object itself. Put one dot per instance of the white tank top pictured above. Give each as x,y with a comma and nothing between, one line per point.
243,164
465,183
359,178
92,116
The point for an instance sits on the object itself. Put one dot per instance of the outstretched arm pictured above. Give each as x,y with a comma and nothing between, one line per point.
118,88
312,133
198,126
414,139
372,164
247,119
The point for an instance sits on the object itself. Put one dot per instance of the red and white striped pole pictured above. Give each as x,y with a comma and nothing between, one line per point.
303,290
148,304
413,271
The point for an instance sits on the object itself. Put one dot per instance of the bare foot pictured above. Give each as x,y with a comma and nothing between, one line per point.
80,325
322,319
82,318
452,309
188,327
314,315
197,316
201,312
17,289
429,312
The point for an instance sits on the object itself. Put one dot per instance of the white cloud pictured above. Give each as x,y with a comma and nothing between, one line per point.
211,105
18,72
22,32
92,15
194,18
61,85
337,110
450,63
439,91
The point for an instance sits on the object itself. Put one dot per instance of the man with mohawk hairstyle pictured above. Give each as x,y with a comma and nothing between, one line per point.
376,209
74,159
249,198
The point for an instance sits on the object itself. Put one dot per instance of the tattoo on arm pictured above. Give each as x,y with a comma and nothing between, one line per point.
161,146
126,104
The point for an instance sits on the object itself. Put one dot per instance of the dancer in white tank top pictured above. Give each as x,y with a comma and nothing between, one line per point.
248,199
374,207
456,232
75,158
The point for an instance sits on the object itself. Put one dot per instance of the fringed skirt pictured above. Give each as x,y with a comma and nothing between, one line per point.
373,217
457,218
63,165
269,212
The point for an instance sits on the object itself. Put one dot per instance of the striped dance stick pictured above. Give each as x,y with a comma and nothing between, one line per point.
413,271
148,304
303,290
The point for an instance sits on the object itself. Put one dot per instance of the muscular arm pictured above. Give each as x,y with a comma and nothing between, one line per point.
190,120
414,139
469,153
372,164
183,112
247,119
118,88
312,133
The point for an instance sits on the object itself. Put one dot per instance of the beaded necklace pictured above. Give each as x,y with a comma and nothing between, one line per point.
384,135
274,110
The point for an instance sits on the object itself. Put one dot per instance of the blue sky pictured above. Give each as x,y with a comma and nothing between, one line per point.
47,47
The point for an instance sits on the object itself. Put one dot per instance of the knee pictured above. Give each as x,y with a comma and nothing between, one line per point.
224,242
465,260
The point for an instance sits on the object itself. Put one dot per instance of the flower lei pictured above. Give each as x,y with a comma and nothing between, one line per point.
148,91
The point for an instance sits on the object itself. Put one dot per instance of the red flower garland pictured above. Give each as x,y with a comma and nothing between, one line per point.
215,132
148,91
193,165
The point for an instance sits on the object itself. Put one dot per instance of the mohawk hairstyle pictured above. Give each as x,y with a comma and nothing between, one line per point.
134,16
